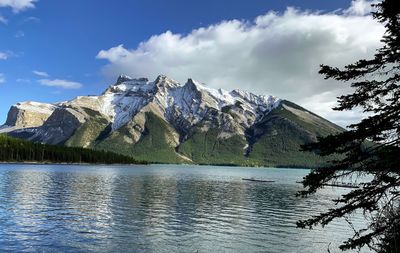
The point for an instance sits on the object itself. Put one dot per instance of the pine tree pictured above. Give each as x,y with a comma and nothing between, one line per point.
370,147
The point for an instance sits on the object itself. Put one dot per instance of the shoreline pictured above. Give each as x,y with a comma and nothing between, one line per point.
130,164
53,163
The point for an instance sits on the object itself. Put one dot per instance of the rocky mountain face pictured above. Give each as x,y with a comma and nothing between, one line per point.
29,114
164,121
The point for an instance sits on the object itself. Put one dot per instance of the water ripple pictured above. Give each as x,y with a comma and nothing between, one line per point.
159,209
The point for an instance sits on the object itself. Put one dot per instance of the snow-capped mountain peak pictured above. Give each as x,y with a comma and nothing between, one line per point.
183,106
123,100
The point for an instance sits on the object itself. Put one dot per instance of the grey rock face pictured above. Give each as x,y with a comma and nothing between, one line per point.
29,114
59,127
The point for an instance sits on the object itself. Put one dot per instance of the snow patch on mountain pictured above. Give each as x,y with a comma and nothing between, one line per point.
36,107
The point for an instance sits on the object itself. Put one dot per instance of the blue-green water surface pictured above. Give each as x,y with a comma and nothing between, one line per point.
160,208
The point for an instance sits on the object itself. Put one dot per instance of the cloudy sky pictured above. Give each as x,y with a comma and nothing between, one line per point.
54,50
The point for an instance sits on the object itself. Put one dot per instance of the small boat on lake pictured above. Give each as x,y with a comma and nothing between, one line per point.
258,180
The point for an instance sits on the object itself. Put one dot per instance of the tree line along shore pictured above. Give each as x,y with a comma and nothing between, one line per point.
16,150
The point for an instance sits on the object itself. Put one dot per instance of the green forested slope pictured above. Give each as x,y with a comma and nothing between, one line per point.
153,146
280,136
207,148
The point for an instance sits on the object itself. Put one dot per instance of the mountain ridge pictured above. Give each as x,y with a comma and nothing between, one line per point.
164,121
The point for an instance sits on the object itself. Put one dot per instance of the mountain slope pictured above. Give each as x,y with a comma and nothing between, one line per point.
278,137
166,122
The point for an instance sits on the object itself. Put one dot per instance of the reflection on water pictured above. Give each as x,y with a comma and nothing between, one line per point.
163,208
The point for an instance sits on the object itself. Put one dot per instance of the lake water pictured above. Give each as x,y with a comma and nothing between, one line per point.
160,208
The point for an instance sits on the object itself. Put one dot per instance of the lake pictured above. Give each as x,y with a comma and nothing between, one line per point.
160,208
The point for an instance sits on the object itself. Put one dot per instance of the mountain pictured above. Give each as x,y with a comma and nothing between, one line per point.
165,122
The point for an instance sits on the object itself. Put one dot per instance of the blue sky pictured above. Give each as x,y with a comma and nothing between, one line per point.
50,51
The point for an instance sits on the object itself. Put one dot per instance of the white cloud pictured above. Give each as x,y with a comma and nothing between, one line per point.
19,34
323,103
2,78
60,83
23,80
277,53
40,73
360,7
3,55
18,5
3,20
30,20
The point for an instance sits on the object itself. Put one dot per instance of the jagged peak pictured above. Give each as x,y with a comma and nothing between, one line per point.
123,78
200,86
165,81
193,84
251,97
242,93
125,83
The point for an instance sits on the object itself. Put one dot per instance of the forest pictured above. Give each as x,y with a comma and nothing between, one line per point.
16,150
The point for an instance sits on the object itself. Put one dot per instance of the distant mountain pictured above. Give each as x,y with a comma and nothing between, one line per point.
165,122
